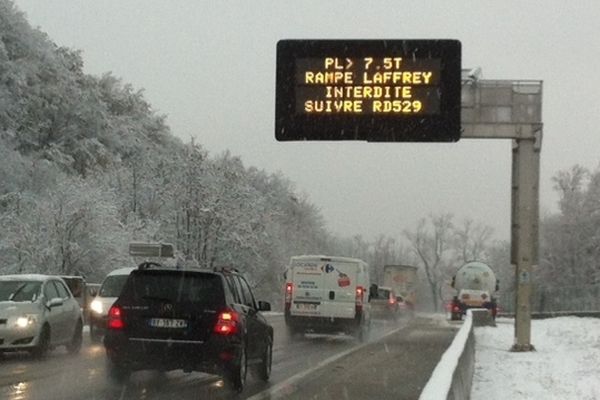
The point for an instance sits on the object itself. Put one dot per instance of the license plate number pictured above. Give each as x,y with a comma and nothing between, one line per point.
168,323
306,306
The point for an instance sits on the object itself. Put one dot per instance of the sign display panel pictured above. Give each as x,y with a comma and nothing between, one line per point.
374,90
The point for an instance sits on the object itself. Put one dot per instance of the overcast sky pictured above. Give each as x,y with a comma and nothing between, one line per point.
210,67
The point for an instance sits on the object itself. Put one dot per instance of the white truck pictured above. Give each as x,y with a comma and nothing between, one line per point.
326,294
403,279
475,284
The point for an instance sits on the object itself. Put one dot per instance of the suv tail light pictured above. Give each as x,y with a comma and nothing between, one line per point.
115,318
227,323
392,300
360,292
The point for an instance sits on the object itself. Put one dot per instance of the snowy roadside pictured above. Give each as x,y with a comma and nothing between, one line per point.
272,313
565,365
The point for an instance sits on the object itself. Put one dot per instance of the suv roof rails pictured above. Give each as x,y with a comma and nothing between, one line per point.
226,269
154,265
149,264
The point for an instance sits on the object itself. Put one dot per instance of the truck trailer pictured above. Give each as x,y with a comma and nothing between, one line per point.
403,279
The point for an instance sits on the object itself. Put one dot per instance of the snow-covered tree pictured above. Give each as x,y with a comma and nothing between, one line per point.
432,244
570,239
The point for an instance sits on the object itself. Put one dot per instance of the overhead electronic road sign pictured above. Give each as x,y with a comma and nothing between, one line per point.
374,90
141,249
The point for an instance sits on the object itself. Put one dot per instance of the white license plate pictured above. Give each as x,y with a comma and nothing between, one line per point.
306,306
168,323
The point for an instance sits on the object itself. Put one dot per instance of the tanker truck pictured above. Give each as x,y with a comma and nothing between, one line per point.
475,284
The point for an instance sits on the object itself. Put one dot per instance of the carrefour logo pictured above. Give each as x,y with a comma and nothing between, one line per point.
328,268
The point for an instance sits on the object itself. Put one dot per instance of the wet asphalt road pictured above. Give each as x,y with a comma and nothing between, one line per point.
83,376
397,367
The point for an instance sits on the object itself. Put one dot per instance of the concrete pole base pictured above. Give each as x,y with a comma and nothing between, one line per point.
520,348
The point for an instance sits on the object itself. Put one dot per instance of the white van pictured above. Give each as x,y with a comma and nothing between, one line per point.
109,292
327,295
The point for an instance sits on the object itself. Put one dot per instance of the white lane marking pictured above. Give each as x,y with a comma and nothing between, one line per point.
279,390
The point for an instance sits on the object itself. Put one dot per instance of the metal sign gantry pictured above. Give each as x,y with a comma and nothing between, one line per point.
507,109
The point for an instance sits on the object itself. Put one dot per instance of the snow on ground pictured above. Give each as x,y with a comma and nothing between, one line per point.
565,365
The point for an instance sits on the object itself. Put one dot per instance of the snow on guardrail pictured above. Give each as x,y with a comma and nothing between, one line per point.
440,383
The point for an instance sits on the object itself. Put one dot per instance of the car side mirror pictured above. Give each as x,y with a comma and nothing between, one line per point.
264,306
373,291
55,302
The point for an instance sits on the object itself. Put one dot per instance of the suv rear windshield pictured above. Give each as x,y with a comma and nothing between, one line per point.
383,294
112,285
201,289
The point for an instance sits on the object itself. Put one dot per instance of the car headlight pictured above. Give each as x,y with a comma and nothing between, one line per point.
25,321
96,306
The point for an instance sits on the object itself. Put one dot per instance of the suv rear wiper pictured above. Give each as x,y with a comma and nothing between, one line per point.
156,298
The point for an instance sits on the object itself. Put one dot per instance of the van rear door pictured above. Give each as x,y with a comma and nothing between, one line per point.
324,287
307,280
339,289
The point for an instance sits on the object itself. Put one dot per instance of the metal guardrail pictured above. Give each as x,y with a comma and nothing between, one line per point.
581,298
554,314
452,378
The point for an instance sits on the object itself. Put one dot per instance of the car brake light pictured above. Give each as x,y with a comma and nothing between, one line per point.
227,323
392,300
115,318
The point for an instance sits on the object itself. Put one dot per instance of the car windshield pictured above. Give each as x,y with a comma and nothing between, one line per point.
112,285
76,285
444,152
19,291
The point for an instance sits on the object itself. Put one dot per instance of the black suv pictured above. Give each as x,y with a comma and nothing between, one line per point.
195,320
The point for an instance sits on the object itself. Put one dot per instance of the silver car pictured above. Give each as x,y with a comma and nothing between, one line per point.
38,313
